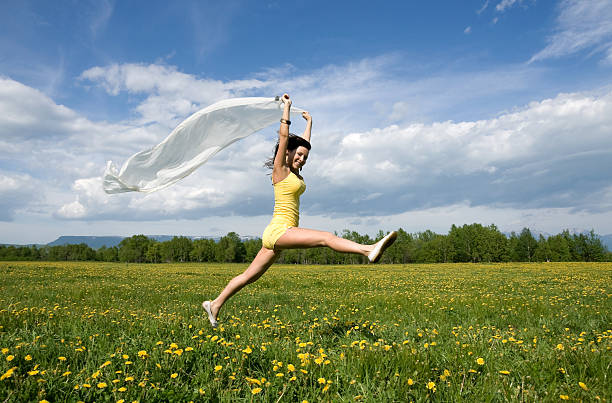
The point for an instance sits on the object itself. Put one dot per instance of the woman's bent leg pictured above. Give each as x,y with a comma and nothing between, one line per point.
307,238
264,259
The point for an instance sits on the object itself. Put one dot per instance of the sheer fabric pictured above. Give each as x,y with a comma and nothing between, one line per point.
192,143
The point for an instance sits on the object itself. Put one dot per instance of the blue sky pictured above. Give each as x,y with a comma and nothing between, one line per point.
426,114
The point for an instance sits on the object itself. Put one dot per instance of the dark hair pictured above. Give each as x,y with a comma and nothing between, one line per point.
294,142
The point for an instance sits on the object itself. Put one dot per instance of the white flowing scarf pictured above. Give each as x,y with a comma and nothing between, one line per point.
192,143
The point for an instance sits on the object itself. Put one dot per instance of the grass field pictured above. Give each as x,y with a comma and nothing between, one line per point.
116,332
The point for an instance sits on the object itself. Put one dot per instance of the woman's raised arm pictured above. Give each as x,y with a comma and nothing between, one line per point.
308,130
280,170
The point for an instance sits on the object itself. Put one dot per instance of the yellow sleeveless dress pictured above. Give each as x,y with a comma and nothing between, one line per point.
286,209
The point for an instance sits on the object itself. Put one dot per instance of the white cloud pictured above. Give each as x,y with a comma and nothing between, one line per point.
581,25
467,30
504,5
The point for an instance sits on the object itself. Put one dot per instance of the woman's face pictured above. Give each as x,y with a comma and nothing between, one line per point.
296,159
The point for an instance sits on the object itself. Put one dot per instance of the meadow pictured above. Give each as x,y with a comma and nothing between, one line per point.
84,331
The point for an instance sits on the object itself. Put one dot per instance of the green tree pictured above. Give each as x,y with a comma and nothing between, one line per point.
230,249
134,249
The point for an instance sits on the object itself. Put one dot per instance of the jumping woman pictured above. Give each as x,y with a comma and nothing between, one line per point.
283,232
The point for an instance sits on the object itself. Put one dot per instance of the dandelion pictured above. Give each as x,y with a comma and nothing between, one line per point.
247,350
5,350
174,375
504,372
321,380
431,386
66,373
34,372
107,363
480,361
125,356
290,367
129,378
560,347
143,354
583,386
410,382
44,401
102,385
256,391
61,358
564,397
10,358
28,357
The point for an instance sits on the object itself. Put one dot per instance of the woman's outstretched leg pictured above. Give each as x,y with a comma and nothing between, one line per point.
262,262
307,238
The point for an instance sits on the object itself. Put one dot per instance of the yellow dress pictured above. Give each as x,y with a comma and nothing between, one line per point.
286,209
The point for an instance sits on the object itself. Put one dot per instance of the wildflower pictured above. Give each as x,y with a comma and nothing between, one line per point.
61,358
86,385
321,380
125,356
10,357
218,368
431,386
504,372
174,375
290,367
105,364
129,378
66,373
102,385
256,391
583,386
189,349
28,357
95,374
560,347
44,401
34,372
480,361
5,350
564,397
410,382
143,354
562,370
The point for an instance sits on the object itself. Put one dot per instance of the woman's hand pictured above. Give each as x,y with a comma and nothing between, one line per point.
307,116
286,100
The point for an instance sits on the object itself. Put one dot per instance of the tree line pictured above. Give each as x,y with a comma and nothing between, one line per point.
469,243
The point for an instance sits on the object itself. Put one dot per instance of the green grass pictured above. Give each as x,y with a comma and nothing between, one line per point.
337,333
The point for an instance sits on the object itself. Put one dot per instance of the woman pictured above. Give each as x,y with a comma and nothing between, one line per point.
283,231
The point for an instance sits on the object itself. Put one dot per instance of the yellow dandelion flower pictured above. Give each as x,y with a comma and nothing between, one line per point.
61,358
325,388
410,382
32,373
5,350
102,385
218,368
122,389
202,391
559,347
143,354
431,386
583,386
28,357
290,367
174,345
120,401
107,363
95,374
321,380
44,401
504,372
159,343
174,375
10,357
125,356
129,378
256,391
564,397
247,350
188,348
293,378
128,363
86,385
480,361
66,373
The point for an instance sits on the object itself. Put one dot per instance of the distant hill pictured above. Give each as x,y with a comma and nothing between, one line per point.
96,242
